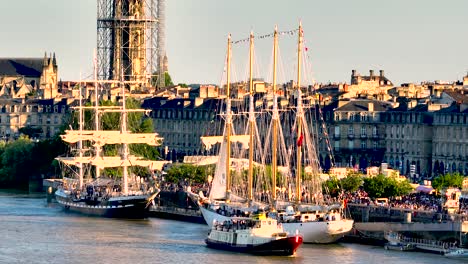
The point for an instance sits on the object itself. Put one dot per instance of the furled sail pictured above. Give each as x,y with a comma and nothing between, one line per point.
209,141
112,162
102,138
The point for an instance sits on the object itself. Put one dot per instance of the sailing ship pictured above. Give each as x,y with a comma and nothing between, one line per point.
128,196
317,223
255,235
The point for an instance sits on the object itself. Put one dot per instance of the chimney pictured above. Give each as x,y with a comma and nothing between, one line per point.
381,73
370,107
371,73
353,73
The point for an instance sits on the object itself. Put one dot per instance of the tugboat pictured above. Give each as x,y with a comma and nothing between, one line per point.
257,235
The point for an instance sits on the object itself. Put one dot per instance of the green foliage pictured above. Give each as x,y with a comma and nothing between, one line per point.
351,183
22,159
15,162
447,180
183,85
31,132
167,79
332,186
382,186
195,174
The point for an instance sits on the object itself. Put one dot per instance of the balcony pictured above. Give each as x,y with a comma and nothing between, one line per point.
375,136
336,136
351,136
363,136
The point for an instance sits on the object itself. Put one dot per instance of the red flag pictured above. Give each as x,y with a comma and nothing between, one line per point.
299,140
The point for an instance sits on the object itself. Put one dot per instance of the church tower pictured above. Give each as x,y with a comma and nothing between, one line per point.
49,84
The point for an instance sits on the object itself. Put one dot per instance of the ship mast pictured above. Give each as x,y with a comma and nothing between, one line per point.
228,122
299,115
96,112
80,142
275,118
251,120
124,145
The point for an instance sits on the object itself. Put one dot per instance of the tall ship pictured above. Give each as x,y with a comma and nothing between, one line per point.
306,212
98,183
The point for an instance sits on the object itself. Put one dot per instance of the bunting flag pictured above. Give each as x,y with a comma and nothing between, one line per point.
280,33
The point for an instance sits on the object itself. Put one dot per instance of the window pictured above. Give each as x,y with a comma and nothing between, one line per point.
337,131
350,144
374,131
375,145
350,130
363,131
337,146
363,145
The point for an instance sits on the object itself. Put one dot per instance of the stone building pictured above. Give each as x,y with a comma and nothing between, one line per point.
356,133
408,140
374,86
182,121
43,118
29,77
450,140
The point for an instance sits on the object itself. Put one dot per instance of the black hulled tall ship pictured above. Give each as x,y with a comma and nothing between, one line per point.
85,190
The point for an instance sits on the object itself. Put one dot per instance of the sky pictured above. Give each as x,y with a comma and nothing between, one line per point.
413,41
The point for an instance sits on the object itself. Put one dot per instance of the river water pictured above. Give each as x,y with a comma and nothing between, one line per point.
32,231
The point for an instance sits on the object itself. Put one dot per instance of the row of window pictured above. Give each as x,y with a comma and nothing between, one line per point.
351,145
351,131
32,108
358,117
30,119
451,119
171,113
460,150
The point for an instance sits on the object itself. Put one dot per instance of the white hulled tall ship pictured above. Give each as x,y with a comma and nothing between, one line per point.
317,222
122,196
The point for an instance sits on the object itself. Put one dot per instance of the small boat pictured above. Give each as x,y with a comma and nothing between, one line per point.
399,246
258,236
457,253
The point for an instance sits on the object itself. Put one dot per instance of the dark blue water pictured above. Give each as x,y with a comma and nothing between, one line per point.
32,231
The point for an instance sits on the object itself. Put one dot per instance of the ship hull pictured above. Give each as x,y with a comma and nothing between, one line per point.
131,207
316,232
320,232
281,247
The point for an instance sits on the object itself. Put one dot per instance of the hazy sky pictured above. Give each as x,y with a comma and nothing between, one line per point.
412,40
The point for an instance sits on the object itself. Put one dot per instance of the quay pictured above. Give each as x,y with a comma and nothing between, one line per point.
372,222
176,213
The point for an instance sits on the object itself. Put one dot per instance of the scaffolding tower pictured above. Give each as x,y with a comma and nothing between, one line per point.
127,42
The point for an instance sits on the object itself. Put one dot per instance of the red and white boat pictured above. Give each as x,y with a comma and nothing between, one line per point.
259,236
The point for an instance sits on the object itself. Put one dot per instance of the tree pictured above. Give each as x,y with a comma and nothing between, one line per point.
382,186
447,180
196,174
167,80
351,183
332,186
31,132
16,163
